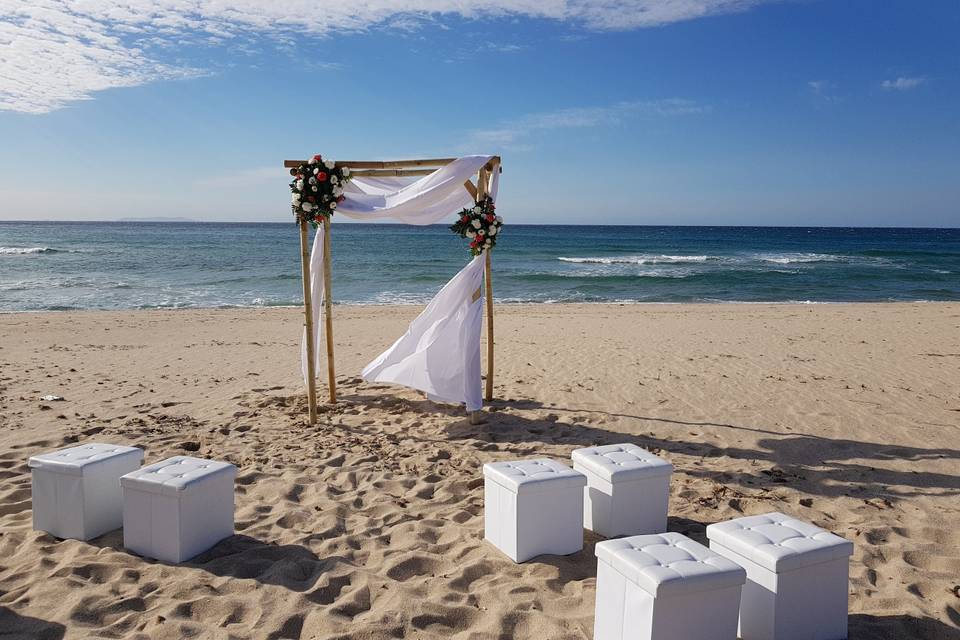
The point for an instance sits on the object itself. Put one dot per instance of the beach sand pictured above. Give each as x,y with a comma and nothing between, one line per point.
370,525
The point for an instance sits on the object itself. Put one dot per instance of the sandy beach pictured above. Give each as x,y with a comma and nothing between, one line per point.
370,525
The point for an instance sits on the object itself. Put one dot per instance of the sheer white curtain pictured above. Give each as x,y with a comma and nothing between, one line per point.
422,357
440,352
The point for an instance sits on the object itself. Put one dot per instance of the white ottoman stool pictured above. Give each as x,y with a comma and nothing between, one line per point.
76,491
177,508
627,492
665,587
796,576
532,507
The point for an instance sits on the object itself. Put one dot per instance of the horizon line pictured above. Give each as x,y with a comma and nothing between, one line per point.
512,224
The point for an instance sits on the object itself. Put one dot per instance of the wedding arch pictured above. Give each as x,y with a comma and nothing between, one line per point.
418,192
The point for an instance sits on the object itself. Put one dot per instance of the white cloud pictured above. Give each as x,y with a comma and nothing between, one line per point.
53,52
513,134
823,91
902,83
632,14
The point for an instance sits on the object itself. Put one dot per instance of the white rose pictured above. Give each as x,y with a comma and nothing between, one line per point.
296,198
487,243
476,209
299,184
329,164
333,180
493,231
314,189
499,220
476,224
337,191
333,205
307,207
471,233
313,181
346,171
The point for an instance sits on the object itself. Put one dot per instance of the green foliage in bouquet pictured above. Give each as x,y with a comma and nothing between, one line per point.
480,224
317,189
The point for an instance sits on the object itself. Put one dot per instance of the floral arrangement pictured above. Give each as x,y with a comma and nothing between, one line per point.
317,189
480,224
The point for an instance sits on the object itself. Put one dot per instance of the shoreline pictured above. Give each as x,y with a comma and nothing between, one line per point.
507,304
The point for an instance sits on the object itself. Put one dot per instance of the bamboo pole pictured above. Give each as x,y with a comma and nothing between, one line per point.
328,310
482,190
488,271
385,164
308,323
399,173
380,164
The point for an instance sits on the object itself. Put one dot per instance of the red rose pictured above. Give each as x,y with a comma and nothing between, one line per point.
341,198
492,205
490,218
317,157
311,199
465,219
321,176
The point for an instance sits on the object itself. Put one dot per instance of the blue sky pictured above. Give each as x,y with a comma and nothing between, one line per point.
774,112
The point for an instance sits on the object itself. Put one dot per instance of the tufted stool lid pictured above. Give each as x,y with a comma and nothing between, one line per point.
521,476
621,462
778,542
74,460
175,475
668,563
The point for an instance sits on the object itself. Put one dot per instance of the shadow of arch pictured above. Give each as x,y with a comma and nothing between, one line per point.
817,465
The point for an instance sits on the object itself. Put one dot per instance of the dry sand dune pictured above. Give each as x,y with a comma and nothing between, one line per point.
370,524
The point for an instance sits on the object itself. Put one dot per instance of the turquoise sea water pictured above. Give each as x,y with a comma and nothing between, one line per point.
123,265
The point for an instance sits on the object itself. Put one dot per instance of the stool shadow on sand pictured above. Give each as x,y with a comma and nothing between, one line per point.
878,627
14,625
291,566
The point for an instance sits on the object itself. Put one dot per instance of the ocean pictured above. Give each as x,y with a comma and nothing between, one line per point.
142,265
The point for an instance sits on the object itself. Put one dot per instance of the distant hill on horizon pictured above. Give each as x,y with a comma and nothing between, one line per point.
157,219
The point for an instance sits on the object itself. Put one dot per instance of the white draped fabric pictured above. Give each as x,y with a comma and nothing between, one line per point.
414,360
440,352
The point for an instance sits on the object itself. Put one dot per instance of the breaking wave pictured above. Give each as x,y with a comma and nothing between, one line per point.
25,251
642,259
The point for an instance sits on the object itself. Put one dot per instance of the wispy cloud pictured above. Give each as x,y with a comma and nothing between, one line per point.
53,52
823,90
903,83
515,134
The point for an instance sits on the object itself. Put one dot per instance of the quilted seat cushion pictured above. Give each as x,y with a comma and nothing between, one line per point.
778,542
670,563
75,460
175,475
533,475
621,462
